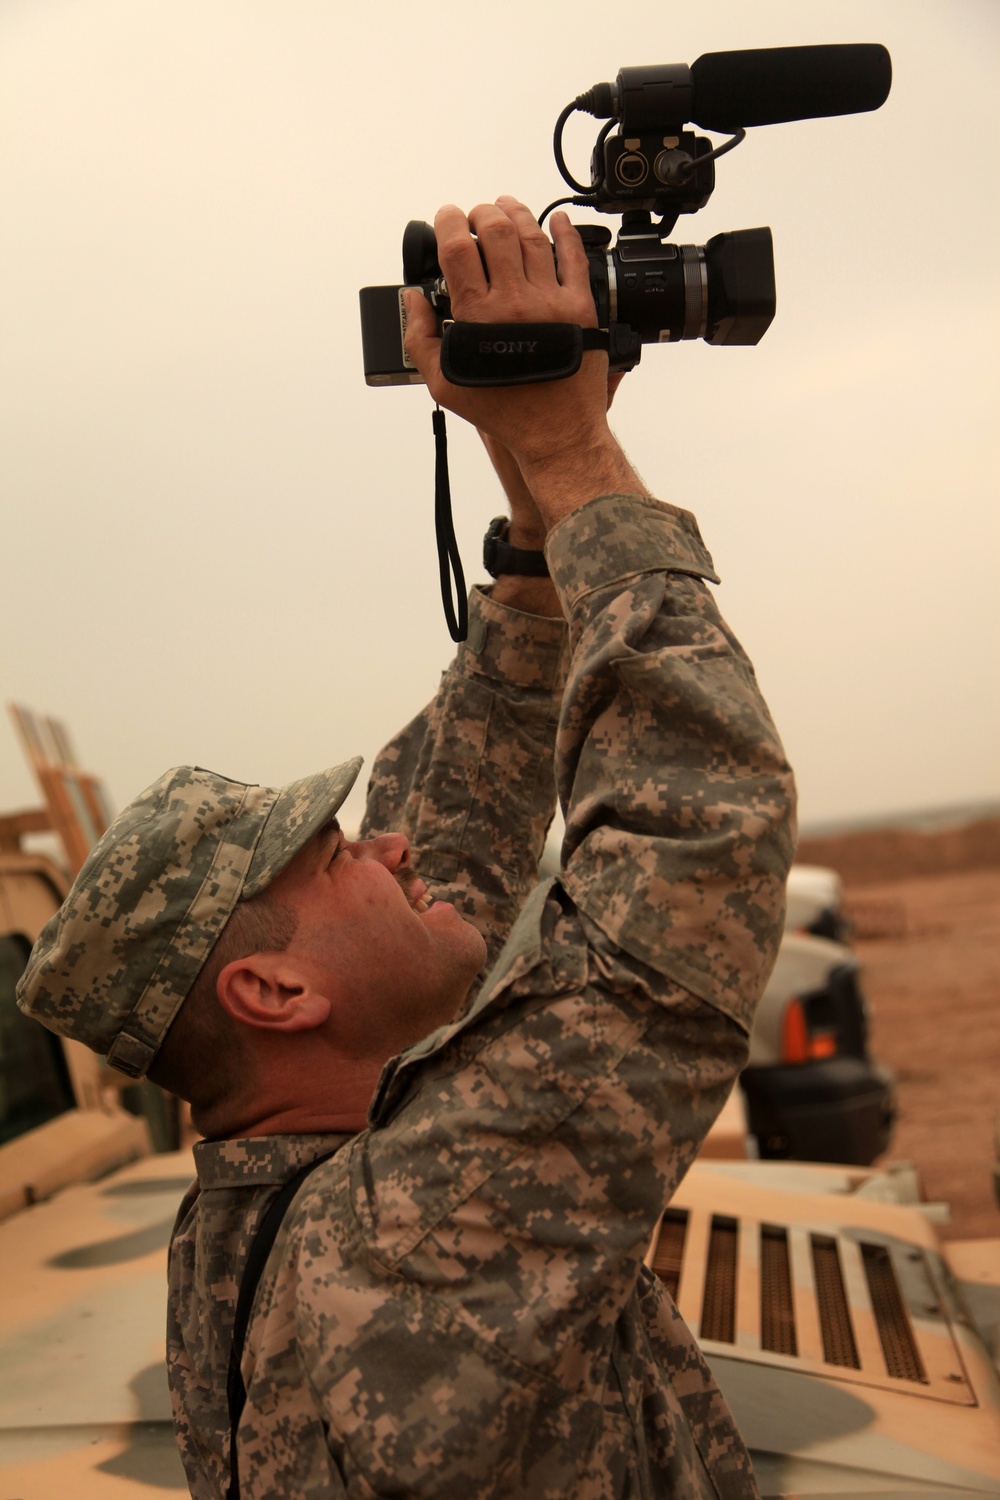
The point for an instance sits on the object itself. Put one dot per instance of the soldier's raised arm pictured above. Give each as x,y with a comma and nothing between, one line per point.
470,779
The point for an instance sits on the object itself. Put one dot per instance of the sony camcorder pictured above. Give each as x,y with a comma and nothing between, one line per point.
645,163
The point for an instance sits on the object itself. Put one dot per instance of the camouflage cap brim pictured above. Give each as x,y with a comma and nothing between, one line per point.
300,809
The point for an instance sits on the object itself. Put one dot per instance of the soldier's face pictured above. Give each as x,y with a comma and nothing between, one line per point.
396,963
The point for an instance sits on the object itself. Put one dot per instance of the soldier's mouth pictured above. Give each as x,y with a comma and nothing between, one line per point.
414,889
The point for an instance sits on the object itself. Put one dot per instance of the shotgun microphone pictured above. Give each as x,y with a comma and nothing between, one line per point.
729,91
771,85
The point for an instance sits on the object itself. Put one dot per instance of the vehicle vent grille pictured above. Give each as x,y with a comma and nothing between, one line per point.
902,1359
852,1305
718,1309
670,1249
834,1319
777,1315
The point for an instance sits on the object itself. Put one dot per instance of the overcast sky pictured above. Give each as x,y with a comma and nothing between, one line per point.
217,542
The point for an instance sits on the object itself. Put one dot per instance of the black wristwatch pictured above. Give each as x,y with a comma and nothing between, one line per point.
500,557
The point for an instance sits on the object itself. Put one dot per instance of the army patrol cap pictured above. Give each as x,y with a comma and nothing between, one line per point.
116,962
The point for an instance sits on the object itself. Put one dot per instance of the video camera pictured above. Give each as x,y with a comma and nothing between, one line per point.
646,290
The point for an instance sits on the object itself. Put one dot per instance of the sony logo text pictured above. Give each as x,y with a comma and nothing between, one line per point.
508,346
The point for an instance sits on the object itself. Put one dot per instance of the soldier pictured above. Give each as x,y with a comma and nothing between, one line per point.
456,1304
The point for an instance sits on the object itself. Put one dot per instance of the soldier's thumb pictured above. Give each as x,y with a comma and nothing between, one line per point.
422,340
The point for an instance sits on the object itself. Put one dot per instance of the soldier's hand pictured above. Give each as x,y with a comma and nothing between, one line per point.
522,286
557,431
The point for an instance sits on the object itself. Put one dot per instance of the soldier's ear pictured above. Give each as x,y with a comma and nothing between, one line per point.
271,991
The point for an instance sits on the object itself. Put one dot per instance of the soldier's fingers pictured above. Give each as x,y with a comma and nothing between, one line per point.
574,269
500,243
536,247
458,255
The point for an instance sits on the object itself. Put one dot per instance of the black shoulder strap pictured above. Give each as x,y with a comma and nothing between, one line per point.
260,1249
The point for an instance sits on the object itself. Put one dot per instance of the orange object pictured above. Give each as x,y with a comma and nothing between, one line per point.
798,1043
794,1033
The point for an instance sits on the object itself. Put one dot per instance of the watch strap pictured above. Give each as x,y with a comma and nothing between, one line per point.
500,557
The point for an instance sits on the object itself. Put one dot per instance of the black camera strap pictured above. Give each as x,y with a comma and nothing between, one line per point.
456,611
493,354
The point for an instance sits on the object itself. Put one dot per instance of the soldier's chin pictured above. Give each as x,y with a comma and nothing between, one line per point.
477,945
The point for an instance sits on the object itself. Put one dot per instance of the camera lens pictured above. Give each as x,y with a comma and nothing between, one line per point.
420,262
631,168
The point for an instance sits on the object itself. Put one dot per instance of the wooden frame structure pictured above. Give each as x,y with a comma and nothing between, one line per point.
75,803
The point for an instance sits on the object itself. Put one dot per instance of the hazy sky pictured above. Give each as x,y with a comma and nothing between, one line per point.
217,542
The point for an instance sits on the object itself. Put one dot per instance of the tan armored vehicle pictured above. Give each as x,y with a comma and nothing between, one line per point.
61,1120
858,1351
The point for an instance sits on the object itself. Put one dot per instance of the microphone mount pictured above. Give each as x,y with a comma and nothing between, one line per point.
644,158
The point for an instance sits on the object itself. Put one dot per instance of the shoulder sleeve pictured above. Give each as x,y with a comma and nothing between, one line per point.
679,801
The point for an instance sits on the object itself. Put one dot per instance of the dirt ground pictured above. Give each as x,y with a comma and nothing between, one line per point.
926,909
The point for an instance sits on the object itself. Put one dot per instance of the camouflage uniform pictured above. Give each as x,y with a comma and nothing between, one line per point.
456,1304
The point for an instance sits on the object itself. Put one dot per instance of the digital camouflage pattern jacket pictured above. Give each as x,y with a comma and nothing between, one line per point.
456,1306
